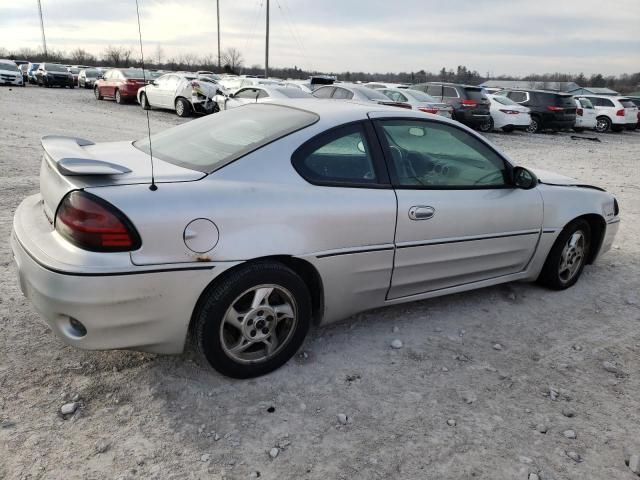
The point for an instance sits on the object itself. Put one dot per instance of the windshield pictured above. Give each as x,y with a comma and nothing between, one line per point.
210,143
52,67
92,73
293,92
372,94
74,70
9,66
504,100
420,96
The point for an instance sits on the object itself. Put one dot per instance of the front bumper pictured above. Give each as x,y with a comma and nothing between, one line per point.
136,308
7,80
609,236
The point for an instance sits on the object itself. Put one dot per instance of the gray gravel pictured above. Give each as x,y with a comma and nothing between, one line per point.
150,408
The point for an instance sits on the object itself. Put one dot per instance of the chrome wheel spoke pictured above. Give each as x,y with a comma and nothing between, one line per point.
233,318
283,311
261,297
271,343
241,346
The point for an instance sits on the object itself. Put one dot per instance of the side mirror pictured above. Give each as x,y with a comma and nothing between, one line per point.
524,179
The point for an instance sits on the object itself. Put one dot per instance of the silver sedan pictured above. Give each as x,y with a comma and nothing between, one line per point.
264,220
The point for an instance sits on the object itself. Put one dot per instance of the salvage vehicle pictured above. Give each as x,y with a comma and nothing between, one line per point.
507,115
418,100
469,102
10,74
356,93
242,229
550,110
258,95
121,84
614,113
183,93
31,73
52,75
585,115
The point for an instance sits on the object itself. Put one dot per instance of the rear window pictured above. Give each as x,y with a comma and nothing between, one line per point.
475,93
133,73
626,103
564,101
212,142
52,67
420,96
503,100
373,94
293,92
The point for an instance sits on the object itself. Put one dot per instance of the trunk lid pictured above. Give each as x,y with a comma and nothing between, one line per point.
74,163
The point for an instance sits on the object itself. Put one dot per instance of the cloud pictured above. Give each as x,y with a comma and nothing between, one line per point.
516,37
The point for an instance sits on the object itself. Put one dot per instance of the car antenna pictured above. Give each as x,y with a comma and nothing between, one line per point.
153,187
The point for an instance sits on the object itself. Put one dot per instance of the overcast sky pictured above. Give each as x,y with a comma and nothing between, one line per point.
500,37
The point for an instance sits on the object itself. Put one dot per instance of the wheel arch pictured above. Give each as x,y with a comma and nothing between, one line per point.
598,226
309,274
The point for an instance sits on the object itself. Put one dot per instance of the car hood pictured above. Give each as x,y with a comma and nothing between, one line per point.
552,178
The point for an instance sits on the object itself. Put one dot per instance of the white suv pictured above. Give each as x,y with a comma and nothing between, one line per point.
614,113
585,115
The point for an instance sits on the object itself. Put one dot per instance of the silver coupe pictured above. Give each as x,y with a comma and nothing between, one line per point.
269,218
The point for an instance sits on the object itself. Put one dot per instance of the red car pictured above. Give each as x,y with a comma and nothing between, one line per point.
121,84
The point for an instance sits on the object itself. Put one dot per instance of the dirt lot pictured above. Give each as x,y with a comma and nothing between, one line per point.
160,417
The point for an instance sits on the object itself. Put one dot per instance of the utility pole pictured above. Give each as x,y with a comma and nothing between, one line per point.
218,18
266,53
44,40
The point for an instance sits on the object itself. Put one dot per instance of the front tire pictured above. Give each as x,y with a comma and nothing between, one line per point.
567,257
144,103
96,92
254,321
183,107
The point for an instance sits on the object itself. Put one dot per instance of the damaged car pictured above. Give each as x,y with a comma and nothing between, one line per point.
240,231
183,93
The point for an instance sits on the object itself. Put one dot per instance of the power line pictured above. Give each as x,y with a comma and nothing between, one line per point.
288,16
44,40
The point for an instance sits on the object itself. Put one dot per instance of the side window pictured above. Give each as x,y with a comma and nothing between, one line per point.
435,90
342,94
340,156
432,154
392,95
449,92
606,102
324,92
248,93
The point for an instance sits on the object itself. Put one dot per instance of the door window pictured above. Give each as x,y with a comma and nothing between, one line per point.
247,93
341,156
436,155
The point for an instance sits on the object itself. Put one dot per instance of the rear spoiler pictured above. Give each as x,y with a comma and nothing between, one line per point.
395,104
71,159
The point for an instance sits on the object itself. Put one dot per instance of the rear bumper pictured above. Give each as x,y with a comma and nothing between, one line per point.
472,118
135,308
559,124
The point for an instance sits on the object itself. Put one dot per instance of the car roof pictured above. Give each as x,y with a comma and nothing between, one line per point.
449,84
534,90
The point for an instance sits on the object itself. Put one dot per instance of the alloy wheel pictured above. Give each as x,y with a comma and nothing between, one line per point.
572,256
602,125
258,324
179,108
533,126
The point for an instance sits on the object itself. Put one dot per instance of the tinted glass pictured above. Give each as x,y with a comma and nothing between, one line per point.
341,156
563,101
52,67
211,142
449,92
475,93
342,94
74,70
420,96
293,93
585,103
439,155
503,100
373,94
517,96
434,90
626,103
92,73
324,92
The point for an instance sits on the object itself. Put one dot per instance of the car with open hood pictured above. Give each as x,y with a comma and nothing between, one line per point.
243,229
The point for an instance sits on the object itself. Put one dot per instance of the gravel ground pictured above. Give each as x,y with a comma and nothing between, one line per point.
449,404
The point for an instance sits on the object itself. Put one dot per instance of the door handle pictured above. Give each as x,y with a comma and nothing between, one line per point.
421,212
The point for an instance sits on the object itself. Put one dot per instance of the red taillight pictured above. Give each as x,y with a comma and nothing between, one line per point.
620,113
468,103
579,112
93,224
428,109
551,108
510,112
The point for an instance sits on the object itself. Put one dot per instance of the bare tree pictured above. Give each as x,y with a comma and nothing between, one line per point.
188,60
158,54
117,56
232,59
81,57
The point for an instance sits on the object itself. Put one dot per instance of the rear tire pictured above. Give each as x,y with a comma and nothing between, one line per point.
96,92
232,315
535,126
183,107
565,263
486,126
603,124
